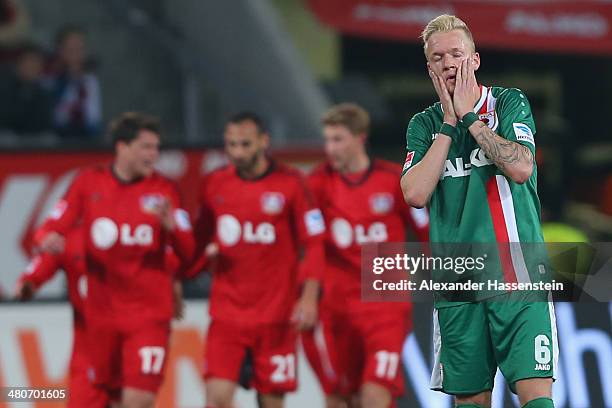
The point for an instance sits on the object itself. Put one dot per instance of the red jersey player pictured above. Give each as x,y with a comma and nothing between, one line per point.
356,347
129,214
260,216
41,269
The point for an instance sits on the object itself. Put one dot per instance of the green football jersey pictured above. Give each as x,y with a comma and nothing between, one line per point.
474,202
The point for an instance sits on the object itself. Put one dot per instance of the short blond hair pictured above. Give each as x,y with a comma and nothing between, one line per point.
352,116
445,23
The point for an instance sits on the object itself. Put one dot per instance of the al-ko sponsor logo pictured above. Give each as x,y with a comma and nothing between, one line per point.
461,169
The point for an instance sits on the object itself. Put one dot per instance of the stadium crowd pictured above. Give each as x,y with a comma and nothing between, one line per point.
46,91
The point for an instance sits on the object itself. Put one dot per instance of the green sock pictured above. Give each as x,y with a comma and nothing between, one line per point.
469,406
540,403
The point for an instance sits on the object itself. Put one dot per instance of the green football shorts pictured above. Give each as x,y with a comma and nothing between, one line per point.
471,340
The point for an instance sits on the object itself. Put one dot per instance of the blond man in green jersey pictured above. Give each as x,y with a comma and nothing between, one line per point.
471,161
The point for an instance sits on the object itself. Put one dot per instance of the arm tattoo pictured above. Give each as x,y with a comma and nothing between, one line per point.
500,151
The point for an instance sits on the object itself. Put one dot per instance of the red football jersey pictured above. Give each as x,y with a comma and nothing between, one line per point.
43,267
125,244
370,208
261,226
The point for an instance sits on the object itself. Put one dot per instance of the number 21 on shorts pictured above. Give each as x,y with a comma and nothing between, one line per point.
284,368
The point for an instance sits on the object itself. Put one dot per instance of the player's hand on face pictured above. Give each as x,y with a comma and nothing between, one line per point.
445,99
304,315
464,84
53,243
24,291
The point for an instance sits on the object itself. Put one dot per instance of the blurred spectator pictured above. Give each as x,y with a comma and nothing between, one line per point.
14,28
75,88
25,105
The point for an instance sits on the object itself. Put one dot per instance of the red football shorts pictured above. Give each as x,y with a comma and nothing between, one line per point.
81,392
133,358
347,350
272,347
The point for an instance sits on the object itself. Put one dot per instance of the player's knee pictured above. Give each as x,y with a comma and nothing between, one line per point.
542,402
533,389
375,396
219,400
275,400
481,400
335,401
138,399
220,393
217,397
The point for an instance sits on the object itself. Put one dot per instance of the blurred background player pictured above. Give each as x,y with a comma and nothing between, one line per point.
41,269
495,202
262,218
130,214
355,349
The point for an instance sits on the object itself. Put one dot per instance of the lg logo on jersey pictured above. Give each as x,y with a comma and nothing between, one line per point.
105,233
230,231
344,234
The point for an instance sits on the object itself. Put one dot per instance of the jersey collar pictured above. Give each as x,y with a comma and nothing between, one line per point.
271,167
119,180
483,98
359,180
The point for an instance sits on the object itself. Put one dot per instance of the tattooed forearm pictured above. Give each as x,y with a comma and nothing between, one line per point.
504,153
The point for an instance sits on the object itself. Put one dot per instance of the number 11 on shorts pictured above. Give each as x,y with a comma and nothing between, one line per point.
386,364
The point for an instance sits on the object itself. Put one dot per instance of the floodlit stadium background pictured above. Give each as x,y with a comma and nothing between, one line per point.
192,62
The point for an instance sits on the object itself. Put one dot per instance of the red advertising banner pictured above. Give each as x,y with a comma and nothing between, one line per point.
545,26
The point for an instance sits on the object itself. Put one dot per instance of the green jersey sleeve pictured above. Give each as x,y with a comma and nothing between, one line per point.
515,118
418,141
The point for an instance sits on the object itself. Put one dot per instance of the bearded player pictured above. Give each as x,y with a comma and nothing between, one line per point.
267,236
129,214
356,347
471,161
